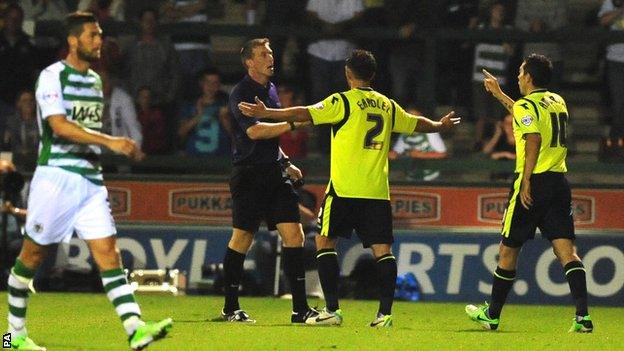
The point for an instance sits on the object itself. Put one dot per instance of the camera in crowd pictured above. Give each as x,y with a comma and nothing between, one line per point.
11,185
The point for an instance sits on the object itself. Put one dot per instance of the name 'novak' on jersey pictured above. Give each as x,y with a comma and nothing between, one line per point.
62,90
544,113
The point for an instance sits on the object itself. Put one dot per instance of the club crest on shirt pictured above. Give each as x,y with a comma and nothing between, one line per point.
527,120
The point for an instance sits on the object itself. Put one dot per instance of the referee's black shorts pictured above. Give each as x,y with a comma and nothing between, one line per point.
261,192
370,218
551,211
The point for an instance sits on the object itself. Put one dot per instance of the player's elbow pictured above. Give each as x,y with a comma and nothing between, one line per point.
60,128
254,133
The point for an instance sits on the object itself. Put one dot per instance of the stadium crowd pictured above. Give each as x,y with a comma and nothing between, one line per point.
166,91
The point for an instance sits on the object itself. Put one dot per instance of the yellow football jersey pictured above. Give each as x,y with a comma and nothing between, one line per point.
362,123
545,113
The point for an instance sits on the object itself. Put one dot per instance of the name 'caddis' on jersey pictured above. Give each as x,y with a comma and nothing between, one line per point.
362,123
62,90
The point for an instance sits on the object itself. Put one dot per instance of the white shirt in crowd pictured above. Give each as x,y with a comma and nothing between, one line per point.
333,11
615,52
124,122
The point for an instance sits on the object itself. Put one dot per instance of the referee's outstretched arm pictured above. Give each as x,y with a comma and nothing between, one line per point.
290,114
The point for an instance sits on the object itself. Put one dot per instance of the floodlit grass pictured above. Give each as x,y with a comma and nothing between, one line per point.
65,321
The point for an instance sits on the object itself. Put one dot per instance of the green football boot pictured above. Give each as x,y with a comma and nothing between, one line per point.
382,321
582,324
480,315
26,344
148,333
326,317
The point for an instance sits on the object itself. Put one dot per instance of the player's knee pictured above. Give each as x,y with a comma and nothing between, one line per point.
381,250
240,240
566,256
32,259
32,255
324,242
294,239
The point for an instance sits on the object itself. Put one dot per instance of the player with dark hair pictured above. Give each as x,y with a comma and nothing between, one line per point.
540,197
357,197
67,192
262,186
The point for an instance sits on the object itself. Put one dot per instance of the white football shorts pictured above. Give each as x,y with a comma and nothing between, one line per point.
61,202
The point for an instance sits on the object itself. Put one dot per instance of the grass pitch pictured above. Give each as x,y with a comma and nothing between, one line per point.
64,321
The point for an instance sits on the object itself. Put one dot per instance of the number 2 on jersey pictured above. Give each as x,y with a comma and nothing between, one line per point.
559,123
372,133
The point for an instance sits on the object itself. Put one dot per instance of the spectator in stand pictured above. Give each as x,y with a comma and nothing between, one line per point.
152,61
120,117
419,146
22,133
16,56
495,58
205,128
153,123
502,145
44,10
453,85
13,206
539,16
611,15
104,10
405,62
326,56
295,142
283,14
194,51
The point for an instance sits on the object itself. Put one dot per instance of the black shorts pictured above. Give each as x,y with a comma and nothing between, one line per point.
551,211
261,192
371,219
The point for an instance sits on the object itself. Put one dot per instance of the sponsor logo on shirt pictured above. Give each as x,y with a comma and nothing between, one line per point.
49,97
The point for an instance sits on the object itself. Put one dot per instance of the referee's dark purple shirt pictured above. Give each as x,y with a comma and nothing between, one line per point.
244,150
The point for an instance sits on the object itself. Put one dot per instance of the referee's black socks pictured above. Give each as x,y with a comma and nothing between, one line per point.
386,275
575,274
503,281
233,272
329,271
295,273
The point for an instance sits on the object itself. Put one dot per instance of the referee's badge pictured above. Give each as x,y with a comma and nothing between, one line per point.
527,120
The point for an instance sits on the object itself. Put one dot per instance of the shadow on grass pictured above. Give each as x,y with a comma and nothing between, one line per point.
482,331
70,347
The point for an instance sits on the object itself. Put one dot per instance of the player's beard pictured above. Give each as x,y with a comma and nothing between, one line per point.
87,56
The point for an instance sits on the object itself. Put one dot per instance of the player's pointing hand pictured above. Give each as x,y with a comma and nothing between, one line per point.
491,83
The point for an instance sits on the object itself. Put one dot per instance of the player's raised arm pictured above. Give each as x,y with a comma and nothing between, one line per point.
446,123
491,85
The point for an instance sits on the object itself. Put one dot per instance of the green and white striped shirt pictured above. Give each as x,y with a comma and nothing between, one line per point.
62,90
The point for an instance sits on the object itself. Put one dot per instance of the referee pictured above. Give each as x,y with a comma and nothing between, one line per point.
358,195
540,196
261,186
